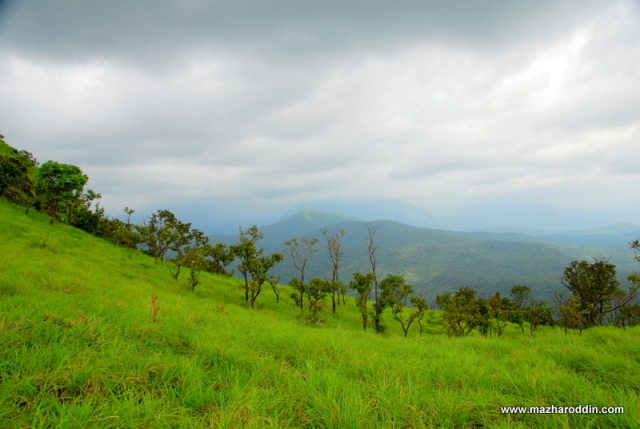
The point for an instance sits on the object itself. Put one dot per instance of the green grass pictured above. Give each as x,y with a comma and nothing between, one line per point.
78,350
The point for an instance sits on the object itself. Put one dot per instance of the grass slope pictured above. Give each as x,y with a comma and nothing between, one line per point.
79,351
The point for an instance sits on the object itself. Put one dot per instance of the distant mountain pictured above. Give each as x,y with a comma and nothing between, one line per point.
525,217
306,221
619,229
435,260
388,209
296,225
224,215
499,216
576,246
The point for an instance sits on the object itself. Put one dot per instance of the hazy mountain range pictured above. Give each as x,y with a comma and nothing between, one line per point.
223,217
438,260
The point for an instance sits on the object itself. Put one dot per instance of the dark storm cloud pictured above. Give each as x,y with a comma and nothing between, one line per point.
164,30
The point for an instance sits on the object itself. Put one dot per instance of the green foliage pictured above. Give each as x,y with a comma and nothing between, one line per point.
572,315
317,290
361,283
492,314
521,296
594,287
194,259
395,292
461,313
538,313
59,187
273,281
163,232
443,300
121,233
629,315
247,252
253,266
15,184
221,256
259,271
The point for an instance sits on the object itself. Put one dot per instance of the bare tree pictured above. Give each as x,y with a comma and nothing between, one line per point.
378,305
300,250
334,243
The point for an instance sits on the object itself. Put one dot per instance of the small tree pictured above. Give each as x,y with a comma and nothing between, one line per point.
247,252
83,216
127,237
121,233
572,316
521,296
273,281
628,315
394,292
461,313
520,300
341,291
492,314
594,286
361,283
221,256
194,259
161,233
317,290
538,313
59,185
259,274
421,305
197,240
300,251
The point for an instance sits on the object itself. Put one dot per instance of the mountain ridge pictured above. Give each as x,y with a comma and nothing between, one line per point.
434,261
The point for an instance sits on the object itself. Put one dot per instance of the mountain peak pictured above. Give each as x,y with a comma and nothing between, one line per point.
319,215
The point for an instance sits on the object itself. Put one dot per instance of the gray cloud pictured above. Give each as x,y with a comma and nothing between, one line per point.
272,104
159,31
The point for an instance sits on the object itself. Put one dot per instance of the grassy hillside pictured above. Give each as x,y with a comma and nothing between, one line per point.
79,351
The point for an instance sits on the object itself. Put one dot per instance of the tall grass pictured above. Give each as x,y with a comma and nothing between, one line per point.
79,350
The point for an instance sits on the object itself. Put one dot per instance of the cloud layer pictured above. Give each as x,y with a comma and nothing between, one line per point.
257,107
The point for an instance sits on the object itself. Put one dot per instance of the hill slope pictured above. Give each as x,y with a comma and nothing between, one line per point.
79,351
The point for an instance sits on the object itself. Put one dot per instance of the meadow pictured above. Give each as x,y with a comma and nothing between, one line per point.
79,350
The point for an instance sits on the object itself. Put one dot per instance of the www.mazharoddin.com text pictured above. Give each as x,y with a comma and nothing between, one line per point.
552,409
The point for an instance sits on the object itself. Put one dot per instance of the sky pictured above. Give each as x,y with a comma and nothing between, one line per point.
235,112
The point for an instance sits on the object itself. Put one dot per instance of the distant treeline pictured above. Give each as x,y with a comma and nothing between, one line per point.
592,295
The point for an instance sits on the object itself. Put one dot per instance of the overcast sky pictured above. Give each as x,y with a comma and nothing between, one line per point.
245,109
